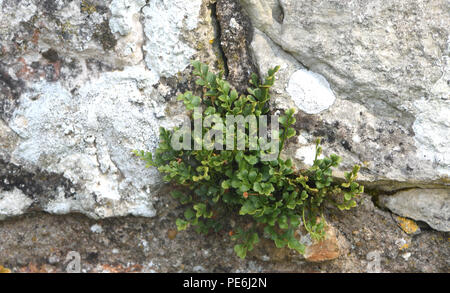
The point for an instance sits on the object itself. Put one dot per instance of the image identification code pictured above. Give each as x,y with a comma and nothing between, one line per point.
246,283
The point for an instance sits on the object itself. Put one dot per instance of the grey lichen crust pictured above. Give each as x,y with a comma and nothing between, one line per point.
91,141
77,97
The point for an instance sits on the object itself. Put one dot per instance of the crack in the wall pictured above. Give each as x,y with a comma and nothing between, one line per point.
144,39
236,33
217,38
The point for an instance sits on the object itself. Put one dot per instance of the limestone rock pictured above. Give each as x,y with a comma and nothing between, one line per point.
82,84
310,91
429,205
13,203
388,66
164,24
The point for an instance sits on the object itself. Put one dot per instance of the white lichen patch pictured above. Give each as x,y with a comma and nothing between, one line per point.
306,151
122,12
125,23
13,203
164,25
96,228
12,16
310,91
88,137
306,154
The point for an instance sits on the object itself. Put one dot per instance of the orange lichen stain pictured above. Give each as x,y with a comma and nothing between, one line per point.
4,270
35,37
122,269
404,246
33,268
407,225
171,234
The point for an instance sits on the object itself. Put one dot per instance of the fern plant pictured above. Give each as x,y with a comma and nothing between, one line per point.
214,184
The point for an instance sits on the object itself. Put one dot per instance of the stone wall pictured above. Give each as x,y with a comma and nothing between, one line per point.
83,83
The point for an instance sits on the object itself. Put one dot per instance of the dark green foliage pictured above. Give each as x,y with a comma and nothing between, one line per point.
214,184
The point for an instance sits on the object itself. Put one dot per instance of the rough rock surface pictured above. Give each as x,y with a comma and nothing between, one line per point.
165,23
429,205
373,243
388,66
324,250
83,83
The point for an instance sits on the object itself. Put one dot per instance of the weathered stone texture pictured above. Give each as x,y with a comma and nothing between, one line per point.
429,205
80,89
373,242
83,83
387,64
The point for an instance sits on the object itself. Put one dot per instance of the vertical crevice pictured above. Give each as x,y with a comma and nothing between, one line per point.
218,38
278,13
236,34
